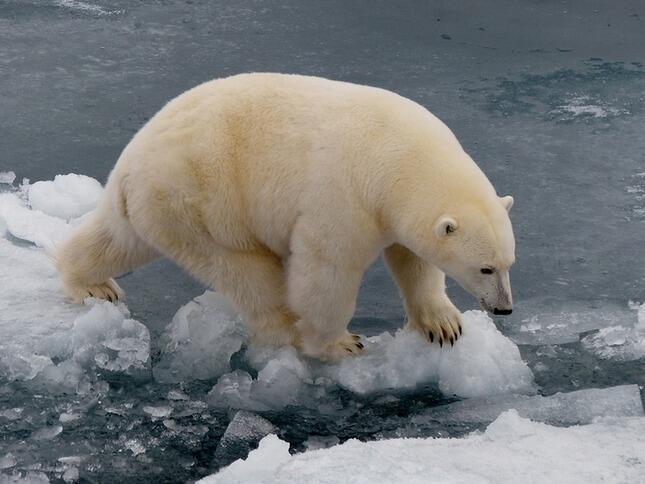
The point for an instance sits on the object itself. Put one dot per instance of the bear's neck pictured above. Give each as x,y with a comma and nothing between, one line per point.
418,193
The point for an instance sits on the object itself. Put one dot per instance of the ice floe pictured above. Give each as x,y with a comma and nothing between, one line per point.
44,340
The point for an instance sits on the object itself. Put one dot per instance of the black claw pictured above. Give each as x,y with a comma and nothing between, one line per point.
356,337
441,342
460,331
109,298
348,350
431,337
360,345
445,334
90,293
452,342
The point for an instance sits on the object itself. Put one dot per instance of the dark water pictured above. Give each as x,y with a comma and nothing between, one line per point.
548,97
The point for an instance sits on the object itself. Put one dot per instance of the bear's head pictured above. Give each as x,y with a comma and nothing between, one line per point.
475,246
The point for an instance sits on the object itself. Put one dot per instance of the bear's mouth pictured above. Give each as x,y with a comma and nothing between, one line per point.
485,306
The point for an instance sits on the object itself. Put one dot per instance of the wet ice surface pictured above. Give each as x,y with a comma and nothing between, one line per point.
203,397
548,99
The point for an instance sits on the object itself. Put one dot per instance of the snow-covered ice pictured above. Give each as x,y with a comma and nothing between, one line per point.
483,363
43,339
67,196
512,449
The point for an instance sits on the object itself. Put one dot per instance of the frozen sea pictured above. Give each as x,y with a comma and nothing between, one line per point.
547,97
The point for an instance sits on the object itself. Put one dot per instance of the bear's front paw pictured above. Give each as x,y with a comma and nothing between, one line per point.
441,323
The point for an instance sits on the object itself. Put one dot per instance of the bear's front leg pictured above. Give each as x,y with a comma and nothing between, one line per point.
423,288
324,275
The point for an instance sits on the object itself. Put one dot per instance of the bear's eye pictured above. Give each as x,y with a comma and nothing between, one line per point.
486,270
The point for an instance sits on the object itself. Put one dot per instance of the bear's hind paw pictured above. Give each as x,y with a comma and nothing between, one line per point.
348,345
109,290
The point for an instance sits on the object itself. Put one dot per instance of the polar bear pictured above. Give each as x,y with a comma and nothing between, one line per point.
280,190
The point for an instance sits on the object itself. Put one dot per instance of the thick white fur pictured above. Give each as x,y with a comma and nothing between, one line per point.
280,190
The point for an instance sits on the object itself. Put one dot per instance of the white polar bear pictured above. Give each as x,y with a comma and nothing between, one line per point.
280,190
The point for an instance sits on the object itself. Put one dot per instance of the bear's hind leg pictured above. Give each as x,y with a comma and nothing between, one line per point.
254,280
422,286
102,247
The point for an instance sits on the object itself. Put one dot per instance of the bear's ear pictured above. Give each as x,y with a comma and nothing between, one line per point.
445,226
507,202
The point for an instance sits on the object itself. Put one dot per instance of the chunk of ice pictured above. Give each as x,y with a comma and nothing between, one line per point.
7,177
107,336
158,411
243,434
71,474
29,477
134,446
66,197
47,433
8,460
200,340
623,343
483,362
512,449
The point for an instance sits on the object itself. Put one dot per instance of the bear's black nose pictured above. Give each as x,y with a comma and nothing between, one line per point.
503,312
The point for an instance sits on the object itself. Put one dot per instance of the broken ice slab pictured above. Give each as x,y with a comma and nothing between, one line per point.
47,433
157,411
200,340
545,322
623,343
242,435
578,407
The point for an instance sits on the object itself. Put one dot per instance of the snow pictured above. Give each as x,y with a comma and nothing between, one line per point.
512,449
66,197
620,342
44,340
